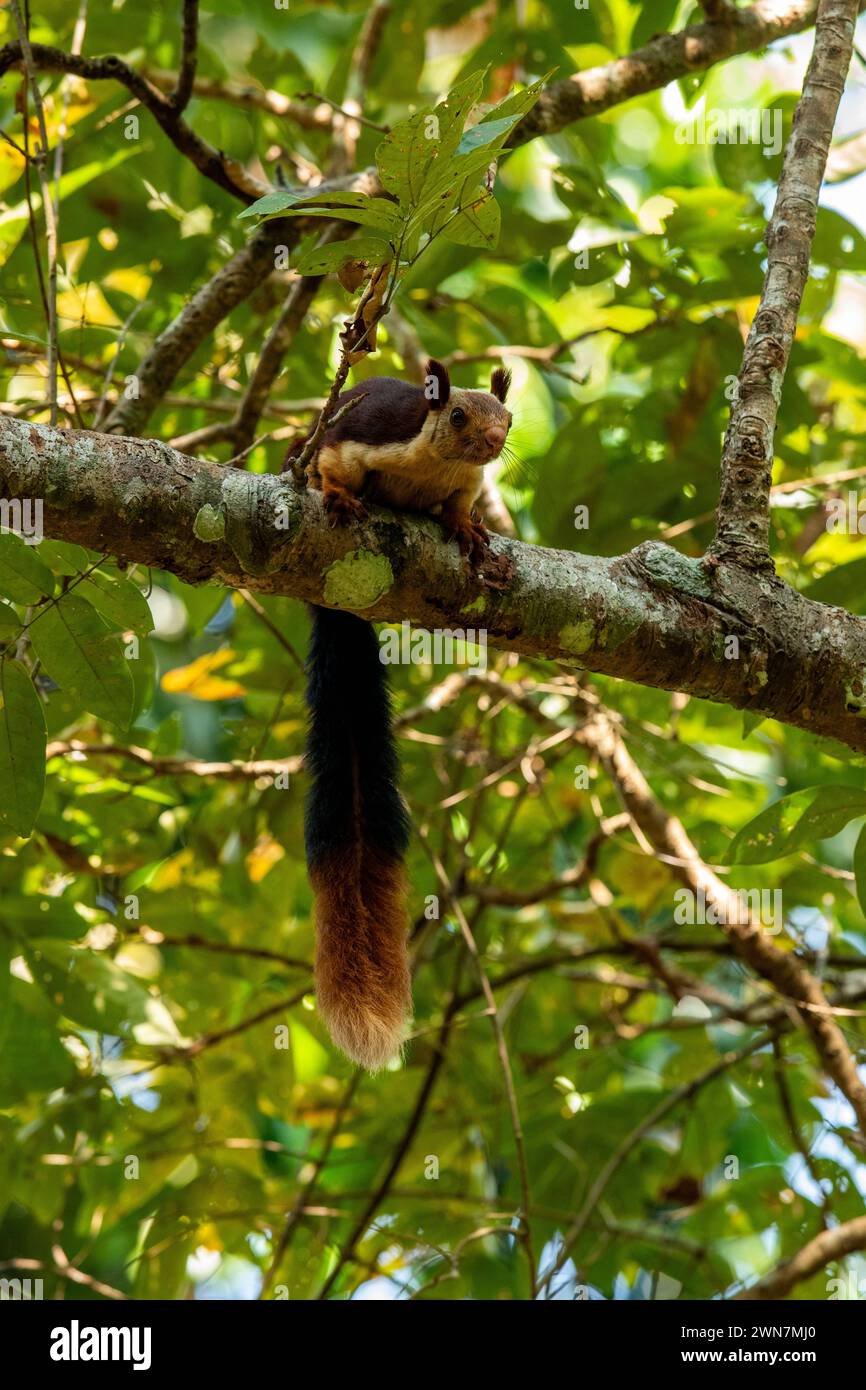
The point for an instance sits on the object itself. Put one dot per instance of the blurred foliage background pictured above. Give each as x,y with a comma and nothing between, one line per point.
170,1105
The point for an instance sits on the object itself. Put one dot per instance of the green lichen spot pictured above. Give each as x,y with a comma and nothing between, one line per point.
358,580
618,630
671,570
855,696
477,605
210,523
577,637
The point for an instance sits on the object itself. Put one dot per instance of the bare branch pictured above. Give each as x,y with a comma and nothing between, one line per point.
743,524
318,118
662,60
182,93
49,209
175,767
227,173
667,836
827,1246
231,284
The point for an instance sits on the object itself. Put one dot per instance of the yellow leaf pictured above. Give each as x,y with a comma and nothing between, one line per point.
85,304
265,853
130,280
173,871
197,679
209,1236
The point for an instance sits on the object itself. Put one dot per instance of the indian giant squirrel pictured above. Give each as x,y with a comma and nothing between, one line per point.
417,449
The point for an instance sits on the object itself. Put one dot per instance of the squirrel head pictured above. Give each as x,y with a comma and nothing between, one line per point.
471,426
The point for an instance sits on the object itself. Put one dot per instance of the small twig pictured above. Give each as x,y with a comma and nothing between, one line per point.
305,1192
619,1156
504,1060
62,1269
175,767
48,209
221,1035
186,77
326,421
76,47
341,110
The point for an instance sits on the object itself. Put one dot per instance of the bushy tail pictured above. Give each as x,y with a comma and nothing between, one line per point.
356,830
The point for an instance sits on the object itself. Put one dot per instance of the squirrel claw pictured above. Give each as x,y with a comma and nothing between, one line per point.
342,506
473,540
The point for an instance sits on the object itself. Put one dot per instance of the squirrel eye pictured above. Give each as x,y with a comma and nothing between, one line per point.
458,416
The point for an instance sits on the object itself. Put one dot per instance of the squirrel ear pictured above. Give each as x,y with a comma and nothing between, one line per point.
500,381
437,384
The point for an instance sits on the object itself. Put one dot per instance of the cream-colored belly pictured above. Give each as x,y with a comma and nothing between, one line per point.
406,476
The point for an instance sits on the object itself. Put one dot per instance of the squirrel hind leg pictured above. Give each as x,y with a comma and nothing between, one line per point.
342,481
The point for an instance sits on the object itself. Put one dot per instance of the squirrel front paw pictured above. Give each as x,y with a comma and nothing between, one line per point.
472,538
343,506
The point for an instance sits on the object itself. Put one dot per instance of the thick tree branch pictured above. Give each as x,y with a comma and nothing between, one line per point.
225,172
788,975
662,60
214,301
826,1246
743,525
652,616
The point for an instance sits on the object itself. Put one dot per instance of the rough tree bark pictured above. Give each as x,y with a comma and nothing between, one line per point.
743,530
652,616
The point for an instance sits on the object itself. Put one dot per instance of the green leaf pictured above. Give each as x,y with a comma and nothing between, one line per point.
65,557
828,813
478,225
764,837
23,576
812,813
711,219
350,207
34,1059
318,260
91,989
118,600
844,586
484,134
751,720
367,216
22,748
518,103
837,242
81,653
271,204
407,154
422,148
10,623
859,867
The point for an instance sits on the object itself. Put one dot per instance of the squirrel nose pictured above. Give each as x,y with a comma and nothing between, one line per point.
495,436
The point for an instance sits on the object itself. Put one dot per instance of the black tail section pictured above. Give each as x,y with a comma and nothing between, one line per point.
356,831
